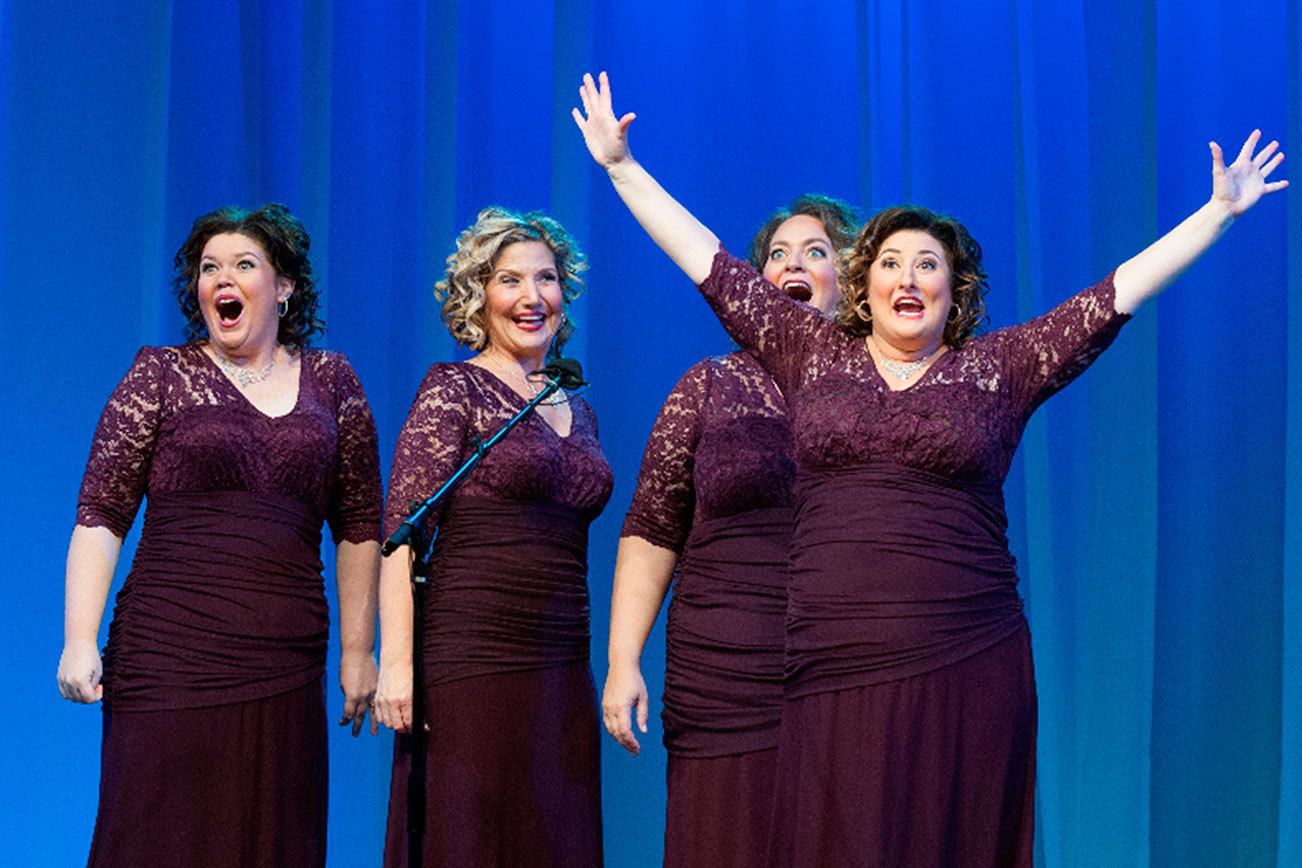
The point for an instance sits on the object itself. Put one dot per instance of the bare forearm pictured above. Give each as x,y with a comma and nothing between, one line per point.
395,608
642,575
357,571
92,558
1152,270
687,241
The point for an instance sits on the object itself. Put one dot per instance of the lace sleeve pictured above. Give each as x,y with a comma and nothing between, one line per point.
117,472
355,498
776,329
663,503
431,442
1044,355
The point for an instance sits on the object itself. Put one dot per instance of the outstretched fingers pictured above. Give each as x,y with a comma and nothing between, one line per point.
1218,157
603,91
1245,153
1266,162
1260,159
586,91
605,135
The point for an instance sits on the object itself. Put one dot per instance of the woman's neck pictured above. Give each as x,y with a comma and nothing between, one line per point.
505,361
262,356
888,350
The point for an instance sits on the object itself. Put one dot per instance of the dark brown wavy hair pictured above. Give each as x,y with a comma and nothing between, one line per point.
286,241
839,220
968,286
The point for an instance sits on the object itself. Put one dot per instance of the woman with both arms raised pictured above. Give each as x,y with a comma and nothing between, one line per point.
908,725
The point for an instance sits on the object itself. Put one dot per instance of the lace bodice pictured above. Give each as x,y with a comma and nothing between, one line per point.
459,404
176,424
721,446
962,419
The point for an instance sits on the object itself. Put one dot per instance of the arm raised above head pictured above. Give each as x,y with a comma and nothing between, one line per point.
1235,189
689,243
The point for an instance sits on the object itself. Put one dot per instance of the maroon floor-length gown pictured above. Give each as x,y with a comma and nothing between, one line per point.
908,723
514,775
214,748
715,487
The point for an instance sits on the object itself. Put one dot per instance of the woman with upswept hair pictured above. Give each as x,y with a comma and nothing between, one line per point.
244,441
513,744
909,717
712,512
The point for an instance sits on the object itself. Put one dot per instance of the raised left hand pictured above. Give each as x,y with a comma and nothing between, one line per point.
357,678
1239,185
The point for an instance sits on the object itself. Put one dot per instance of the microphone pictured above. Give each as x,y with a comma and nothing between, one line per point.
567,373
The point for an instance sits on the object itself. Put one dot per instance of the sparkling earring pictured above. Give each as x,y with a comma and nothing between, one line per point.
282,307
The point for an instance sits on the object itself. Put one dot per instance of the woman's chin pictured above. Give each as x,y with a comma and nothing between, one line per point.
239,340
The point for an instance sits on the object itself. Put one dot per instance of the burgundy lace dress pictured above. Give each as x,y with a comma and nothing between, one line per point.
715,487
214,714
514,774
908,726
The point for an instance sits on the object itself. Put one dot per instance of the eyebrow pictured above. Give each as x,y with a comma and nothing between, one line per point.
802,243
518,273
237,255
896,250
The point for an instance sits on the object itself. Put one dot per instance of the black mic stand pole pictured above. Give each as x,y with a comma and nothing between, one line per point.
412,532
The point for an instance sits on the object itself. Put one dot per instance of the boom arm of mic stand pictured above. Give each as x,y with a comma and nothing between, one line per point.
411,532
411,524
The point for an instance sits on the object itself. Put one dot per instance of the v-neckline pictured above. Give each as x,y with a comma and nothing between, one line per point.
504,386
298,394
872,363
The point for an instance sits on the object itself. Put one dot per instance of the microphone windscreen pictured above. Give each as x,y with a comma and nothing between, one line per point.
567,372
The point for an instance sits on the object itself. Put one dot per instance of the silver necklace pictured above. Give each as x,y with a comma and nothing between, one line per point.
245,377
514,370
905,370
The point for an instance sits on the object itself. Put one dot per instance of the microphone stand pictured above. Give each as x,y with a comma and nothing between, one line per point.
560,374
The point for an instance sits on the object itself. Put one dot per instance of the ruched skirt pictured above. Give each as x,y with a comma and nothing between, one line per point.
513,749
214,744
723,688
908,726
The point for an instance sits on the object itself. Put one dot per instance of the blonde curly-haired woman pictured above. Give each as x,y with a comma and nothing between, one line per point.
513,744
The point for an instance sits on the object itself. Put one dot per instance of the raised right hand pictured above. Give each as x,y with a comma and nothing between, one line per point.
1239,185
625,690
605,136
80,671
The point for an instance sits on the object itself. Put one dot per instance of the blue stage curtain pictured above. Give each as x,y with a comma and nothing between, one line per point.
1156,506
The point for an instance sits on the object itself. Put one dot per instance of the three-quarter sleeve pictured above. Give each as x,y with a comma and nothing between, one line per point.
431,442
122,450
356,501
779,331
1045,354
664,500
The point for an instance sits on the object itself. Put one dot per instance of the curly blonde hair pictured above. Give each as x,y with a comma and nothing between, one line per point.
469,267
968,280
